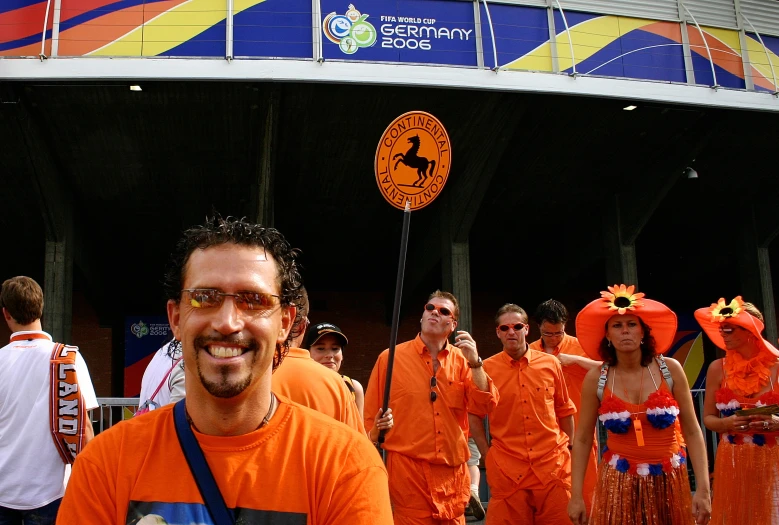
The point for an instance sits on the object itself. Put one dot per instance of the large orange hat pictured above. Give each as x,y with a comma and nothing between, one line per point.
734,313
620,300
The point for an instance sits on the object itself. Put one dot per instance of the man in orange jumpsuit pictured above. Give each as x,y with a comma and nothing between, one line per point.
434,386
529,460
305,381
551,317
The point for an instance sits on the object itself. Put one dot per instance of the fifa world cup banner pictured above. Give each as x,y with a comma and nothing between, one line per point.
424,31
143,336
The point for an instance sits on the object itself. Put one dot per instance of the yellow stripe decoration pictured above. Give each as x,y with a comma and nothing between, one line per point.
588,38
693,364
726,36
759,60
174,27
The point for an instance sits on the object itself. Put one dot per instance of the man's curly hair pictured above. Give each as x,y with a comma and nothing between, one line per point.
217,231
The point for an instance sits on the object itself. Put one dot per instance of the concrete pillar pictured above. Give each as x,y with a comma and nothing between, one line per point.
267,161
621,262
755,275
58,290
455,264
457,279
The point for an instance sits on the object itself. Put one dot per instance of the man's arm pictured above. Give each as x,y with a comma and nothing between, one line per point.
478,433
567,426
584,362
89,430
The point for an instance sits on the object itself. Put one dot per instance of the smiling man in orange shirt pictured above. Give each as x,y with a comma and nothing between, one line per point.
551,317
434,386
529,459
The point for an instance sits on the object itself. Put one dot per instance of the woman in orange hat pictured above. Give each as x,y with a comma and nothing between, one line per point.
746,481
638,395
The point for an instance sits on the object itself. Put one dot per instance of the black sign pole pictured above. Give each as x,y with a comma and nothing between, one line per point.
396,314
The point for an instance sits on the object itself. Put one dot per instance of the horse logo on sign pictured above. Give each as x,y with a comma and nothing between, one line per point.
413,160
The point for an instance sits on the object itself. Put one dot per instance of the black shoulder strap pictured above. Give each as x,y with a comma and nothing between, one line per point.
206,484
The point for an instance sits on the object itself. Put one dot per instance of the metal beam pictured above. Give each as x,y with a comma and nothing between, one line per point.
148,68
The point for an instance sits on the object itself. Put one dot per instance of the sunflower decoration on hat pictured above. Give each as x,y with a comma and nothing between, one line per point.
721,311
621,298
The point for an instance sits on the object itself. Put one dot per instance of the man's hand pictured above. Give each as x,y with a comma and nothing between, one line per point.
467,346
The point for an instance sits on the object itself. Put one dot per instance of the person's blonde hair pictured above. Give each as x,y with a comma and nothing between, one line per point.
752,310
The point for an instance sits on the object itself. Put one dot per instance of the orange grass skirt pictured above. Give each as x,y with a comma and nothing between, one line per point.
632,499
746,483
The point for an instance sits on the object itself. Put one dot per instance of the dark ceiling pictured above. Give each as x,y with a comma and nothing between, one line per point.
534,181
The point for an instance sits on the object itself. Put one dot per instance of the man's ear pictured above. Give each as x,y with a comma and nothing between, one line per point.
288,314
6,315
174,317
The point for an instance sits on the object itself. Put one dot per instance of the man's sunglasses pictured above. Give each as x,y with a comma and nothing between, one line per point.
517,327
208,298
433,384
443,310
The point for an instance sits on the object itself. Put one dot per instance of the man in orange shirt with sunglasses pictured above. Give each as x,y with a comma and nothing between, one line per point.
529,459
434,386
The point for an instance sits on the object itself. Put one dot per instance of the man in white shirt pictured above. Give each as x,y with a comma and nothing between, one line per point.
163,379
32,469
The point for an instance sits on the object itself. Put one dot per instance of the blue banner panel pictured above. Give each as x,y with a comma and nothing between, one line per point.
210,43
143,335
274,29
517,30
650,56
702,68
421,31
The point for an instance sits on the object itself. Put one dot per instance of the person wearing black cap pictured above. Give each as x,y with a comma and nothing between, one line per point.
325,342
303,381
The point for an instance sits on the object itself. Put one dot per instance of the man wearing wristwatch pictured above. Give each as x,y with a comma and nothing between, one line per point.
434,386
529,460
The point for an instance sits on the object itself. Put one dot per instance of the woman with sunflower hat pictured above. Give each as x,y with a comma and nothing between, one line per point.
638,395
746,475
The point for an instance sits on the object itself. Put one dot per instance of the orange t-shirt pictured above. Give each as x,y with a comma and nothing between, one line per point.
301,468
431,431
304,381
527,443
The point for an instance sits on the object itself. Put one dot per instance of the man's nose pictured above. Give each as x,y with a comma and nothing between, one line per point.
227,318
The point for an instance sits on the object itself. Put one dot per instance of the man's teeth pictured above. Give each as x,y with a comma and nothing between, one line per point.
221,351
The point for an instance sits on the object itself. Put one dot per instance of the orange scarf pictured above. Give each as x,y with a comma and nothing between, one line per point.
747,377
67,408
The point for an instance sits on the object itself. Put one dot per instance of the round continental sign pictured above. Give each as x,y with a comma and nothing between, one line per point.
413,160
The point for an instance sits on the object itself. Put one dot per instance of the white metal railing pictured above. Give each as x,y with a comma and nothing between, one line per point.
112,410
